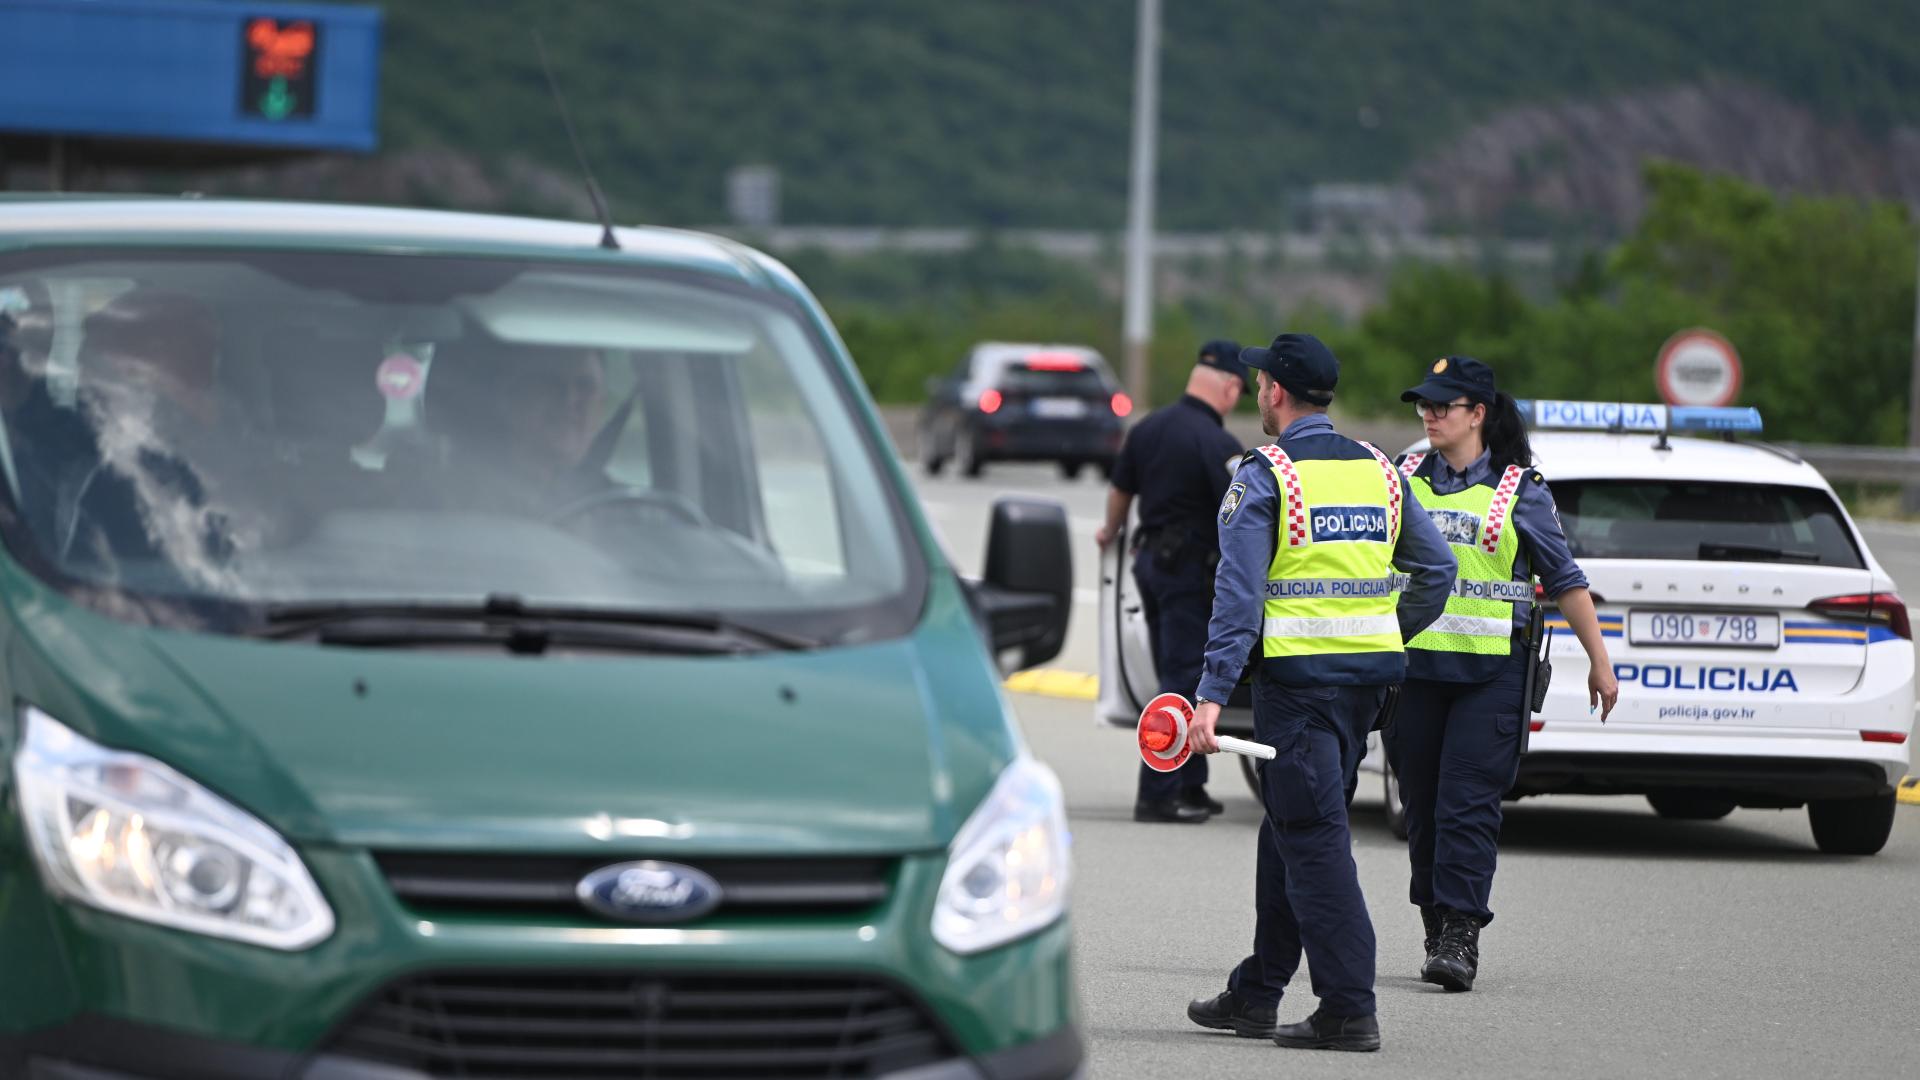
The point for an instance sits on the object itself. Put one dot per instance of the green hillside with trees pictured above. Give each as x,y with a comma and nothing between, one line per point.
1015,112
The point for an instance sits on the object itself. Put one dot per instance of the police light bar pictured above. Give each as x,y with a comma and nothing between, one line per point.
1630,417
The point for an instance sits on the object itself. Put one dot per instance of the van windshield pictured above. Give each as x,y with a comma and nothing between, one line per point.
193,438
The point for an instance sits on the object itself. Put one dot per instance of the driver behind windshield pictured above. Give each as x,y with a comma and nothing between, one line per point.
523,423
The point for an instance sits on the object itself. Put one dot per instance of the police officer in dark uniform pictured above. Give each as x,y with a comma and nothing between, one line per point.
1455,743
1328,565
1178,461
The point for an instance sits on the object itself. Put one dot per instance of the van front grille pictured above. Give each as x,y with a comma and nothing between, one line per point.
535,883
592,1025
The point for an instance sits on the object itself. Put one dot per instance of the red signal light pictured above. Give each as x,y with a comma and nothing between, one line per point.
1122,405
990,401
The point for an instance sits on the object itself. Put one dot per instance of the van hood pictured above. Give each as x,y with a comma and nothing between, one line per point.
879,748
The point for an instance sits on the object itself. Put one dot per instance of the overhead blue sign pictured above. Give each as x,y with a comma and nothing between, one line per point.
293,76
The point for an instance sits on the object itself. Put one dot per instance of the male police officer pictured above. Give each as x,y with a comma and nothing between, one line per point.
1311,532
1178,461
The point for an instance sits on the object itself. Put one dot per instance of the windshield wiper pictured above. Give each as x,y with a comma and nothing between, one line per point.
1717,552
507,620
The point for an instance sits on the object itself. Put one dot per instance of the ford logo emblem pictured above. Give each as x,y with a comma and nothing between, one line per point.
649,891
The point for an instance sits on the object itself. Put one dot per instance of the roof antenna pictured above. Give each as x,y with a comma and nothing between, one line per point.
593,189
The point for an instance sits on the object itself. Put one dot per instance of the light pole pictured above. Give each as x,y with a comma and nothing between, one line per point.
1910,498
1137,316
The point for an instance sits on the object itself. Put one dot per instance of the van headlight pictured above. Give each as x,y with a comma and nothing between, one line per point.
127,834
1007,869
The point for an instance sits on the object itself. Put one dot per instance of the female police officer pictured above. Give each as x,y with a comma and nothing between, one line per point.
1455,743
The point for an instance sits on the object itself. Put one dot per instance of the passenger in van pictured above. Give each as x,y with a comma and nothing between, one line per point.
138,490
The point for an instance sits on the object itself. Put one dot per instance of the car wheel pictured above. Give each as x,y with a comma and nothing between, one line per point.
1106,469
1690,806
930,458
1396,803
969,452
1851,826
1250,769
1070,469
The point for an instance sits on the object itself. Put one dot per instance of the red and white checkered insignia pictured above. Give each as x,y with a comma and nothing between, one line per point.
1412,464
1393,490
1502,504
1291,495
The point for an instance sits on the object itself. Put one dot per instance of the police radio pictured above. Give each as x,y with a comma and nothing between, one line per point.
1162,734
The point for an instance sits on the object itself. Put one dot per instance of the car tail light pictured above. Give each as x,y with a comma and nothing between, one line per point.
1536,725
1883,736
990,401
1884,608
1122,405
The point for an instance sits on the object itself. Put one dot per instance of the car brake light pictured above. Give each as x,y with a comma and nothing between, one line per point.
1884,736
1884,608
1122,404
1055,362
1536,725
990,401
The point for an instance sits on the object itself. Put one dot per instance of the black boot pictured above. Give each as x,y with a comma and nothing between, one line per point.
1197,796
1322,1032
1456,958
1227,1012
1430,918
1168,810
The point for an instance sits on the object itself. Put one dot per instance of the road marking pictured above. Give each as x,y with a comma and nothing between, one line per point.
1052,682
1910,790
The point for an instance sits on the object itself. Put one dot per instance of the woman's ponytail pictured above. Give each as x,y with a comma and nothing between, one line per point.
1506,435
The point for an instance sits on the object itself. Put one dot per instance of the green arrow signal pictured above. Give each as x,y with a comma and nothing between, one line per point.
277,103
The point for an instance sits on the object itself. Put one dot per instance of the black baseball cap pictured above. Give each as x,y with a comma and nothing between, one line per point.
1224,355
1455,376
1300,362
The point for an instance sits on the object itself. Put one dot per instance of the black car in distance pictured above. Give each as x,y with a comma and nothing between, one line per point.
1017,402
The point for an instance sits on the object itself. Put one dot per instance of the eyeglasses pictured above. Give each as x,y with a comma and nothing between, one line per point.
1438,410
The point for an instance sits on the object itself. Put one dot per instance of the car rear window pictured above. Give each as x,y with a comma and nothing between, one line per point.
1075,382
1704,520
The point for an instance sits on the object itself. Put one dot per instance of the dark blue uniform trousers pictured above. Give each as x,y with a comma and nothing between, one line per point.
1177,602
1306,891
1456,748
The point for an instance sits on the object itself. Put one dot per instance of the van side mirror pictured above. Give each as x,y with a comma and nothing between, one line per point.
1026,593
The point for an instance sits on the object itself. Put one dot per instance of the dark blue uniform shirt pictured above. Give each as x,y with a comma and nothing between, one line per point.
1178,463
1247,539
1543,543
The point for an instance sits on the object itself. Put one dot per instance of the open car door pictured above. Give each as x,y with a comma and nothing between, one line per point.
1128,677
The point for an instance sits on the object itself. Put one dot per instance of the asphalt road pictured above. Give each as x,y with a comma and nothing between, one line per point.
1625,945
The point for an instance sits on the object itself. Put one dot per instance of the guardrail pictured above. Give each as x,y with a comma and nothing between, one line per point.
1862,464
1849,464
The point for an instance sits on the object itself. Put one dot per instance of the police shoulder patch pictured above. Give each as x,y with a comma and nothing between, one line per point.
1228,505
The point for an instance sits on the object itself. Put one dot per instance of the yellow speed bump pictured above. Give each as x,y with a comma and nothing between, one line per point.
1910,790
1048,682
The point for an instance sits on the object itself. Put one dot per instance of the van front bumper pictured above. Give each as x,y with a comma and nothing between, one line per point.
113,998
95,1048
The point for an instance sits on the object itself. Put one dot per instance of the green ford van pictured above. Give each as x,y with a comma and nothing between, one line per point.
446,645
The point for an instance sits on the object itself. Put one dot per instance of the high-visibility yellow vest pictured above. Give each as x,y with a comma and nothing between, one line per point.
1473,637
1331,588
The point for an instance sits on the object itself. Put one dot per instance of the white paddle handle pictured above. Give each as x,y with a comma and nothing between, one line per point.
1243,746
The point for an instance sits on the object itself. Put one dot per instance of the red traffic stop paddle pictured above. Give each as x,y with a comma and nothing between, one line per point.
1162,734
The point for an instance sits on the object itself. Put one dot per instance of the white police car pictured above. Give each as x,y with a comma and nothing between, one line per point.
1765,658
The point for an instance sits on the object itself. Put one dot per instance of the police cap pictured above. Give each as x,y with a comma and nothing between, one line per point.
1300,362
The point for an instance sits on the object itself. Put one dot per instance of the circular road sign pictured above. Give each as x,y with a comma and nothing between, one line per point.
1697,367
